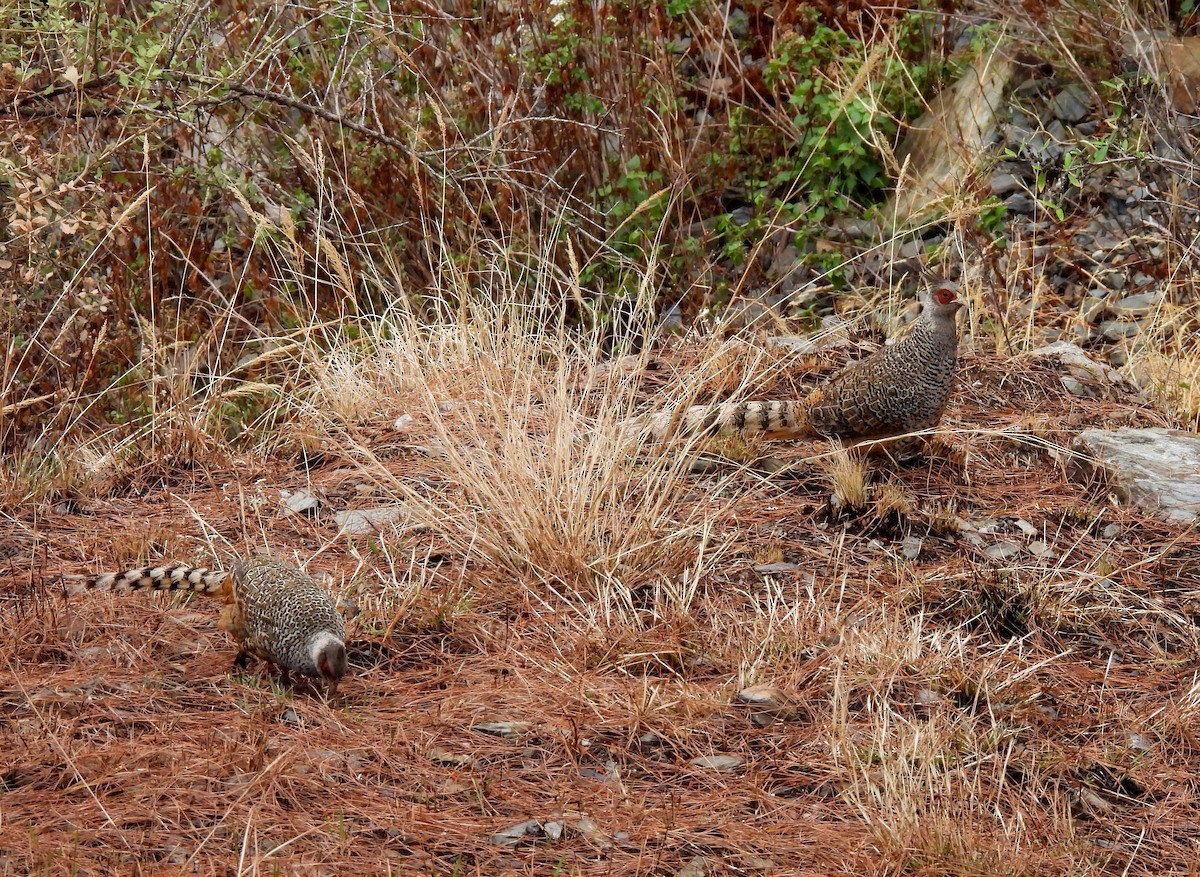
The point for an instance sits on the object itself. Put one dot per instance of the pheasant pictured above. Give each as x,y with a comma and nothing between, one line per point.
272,611
900,388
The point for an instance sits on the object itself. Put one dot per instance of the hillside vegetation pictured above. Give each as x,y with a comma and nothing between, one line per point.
368,285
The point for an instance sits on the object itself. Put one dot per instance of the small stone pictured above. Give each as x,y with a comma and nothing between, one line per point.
697,867
1139,742
769,569
762,696
445,756
1041,549
365,522
1138,305
1071,104
1002,550
290,717
723,763
1112,531
1005,184
553,830
403,422
910,548
929,697
514,834
1075,388
1025,527
1019,203
301,502
1115,330
507,730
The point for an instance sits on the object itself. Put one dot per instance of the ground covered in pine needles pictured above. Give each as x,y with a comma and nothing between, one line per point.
979,665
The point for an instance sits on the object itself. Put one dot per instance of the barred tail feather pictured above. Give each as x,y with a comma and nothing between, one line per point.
178,577
762,419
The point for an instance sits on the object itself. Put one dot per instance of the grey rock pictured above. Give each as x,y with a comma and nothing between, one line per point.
1019,203
1006,184
910,548
793,343
1115,330
697,867
366,522
514,834
507,730
718,762
1155,469
1002,550
929,697
776,568
1115,280
1071,104
1075,388
1041,549
1082,372
1112,531
1138,305
300,502
1138,742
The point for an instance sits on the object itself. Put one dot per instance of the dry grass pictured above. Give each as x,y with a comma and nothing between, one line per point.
950,714
556,626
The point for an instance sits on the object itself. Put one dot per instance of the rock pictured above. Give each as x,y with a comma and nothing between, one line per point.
1112,531
1155,469
1019,203
793,343
947,143
514,834
1071,104
403,422
1041,549
718,762
300,502
910,548
1003,550
928,697
697,867
1093,378
1006,184
776,568
365,522
1025,527
1115,330
507,730
1138,305
445,756
763,696
1138,742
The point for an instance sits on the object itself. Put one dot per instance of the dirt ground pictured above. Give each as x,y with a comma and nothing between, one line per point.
952,712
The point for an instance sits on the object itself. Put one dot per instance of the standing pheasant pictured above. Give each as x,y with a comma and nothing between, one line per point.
900,388
272,610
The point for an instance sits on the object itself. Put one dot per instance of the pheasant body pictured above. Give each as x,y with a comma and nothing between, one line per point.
272,610
901,388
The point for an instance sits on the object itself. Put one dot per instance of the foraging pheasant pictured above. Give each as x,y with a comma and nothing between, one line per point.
900,388
272,610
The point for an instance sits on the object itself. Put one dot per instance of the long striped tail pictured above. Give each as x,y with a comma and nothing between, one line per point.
768,420
173,577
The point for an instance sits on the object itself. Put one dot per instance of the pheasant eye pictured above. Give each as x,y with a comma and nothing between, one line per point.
945,295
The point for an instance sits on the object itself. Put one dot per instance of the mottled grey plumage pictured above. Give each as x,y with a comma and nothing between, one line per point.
272,610
900,388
